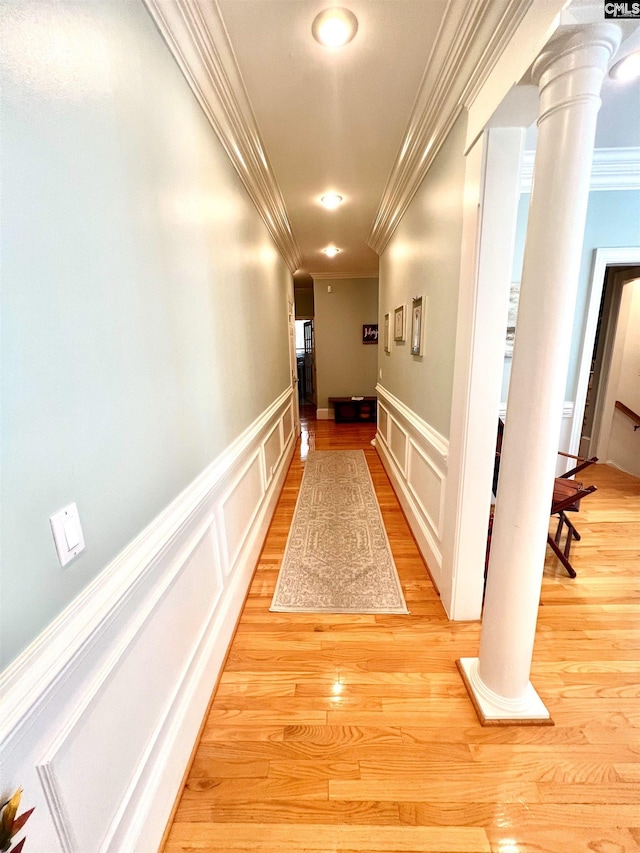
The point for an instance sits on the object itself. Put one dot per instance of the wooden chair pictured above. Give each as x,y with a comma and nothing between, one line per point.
567,494
566,500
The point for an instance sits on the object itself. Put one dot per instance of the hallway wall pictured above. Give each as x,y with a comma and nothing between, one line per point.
345,366
415,392
145,375
138,280
423,259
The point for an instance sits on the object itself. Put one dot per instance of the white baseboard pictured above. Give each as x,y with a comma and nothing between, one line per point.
415,458
324,414
99,715
620,468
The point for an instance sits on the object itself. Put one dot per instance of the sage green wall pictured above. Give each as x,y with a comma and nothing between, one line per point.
137,284
423,259
345,366
613,219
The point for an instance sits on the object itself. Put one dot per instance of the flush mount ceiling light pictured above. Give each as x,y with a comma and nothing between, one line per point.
331,251
626,69
334,27
331,200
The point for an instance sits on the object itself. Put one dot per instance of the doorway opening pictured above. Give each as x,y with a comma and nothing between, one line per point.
608,430
305,359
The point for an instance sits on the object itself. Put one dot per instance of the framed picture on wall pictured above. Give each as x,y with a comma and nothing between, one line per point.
514,296
417,325
398,324
387,332
370,333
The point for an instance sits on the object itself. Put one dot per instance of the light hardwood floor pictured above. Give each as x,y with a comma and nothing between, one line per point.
354,733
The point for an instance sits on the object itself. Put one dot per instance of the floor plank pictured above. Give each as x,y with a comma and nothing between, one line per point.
354,732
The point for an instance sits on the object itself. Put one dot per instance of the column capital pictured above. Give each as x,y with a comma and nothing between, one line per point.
575,48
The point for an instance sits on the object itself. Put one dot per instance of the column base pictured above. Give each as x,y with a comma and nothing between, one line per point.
531,711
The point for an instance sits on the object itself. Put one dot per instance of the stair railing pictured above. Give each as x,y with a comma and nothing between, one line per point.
629,413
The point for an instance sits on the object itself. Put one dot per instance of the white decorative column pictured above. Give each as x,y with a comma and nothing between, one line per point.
569,74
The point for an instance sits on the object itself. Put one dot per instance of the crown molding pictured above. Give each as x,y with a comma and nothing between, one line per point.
328,276
612,169
197,37
472,37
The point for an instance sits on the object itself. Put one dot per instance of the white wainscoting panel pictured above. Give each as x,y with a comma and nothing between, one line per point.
398,444
415,458
238,509
123,707
287,424
383,423
427,486
99,715
272,449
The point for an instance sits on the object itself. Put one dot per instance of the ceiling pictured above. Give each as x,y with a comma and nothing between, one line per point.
332,119
299,120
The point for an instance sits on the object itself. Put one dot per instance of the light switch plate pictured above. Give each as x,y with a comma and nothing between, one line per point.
67,533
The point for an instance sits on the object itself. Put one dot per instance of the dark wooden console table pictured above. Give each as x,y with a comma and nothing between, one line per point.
349,410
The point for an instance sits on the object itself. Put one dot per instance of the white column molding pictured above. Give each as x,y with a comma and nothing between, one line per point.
485,276
569,74
612,169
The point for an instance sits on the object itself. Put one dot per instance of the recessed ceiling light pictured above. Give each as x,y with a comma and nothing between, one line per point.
334,27
331,200
331,251
627,69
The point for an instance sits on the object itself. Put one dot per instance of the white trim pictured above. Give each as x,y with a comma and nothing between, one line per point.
197,37
202,671
435,524
323,414
81,670
437,442
256,459
612,357
494,708
540,22
425,536
277,427
27,680
433,449
91,694
613,169
471,39
489,223
401,463
328,276
567,410
56,807
602,258
620,468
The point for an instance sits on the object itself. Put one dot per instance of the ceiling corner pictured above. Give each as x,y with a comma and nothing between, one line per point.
198,40
472,37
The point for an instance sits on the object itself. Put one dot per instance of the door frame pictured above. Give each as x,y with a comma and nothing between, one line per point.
602,258
291,322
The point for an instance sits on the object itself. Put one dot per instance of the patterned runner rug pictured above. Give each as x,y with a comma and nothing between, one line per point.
337,557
